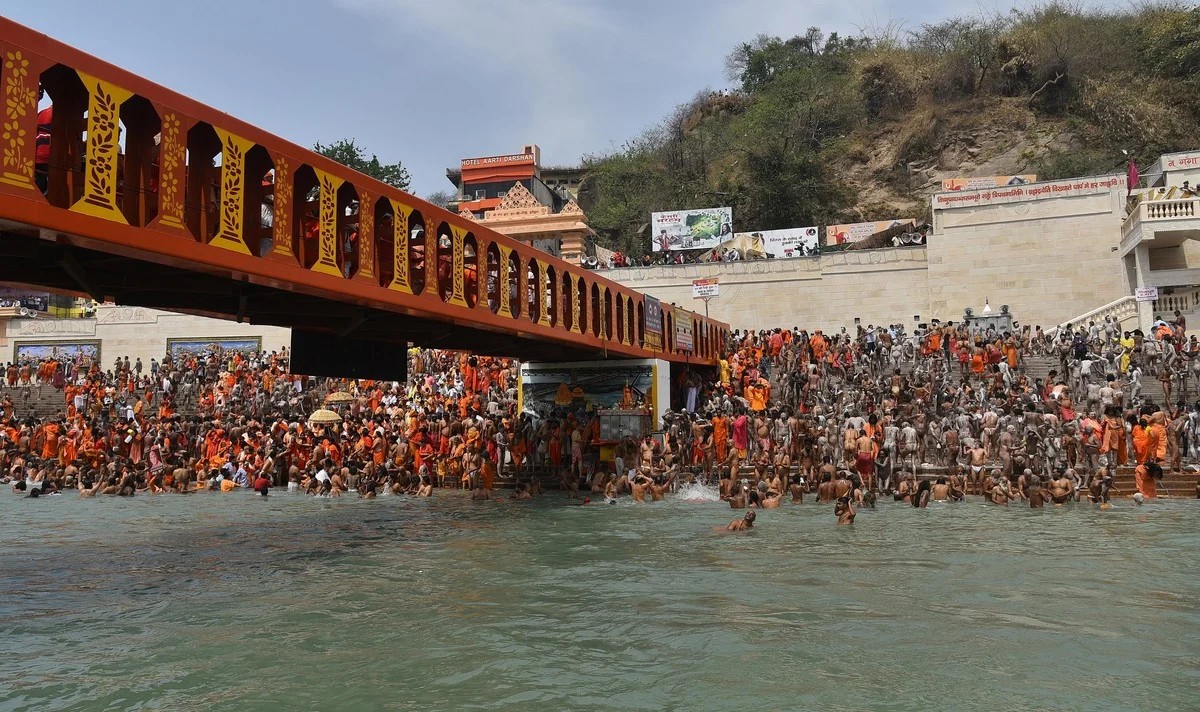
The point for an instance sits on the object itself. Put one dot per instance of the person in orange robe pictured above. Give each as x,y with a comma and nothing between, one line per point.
817,343
720,426
50,435
1112,439
1158,438
977,362
70,448
487,473
1141,442
1144,479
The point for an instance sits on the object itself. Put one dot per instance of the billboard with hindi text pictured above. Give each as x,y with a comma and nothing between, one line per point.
701,229
1034,191
792,242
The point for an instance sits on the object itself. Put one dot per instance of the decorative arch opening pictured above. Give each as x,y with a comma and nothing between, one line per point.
493,277
348,208
137,186
552,294
621,328
568,310
258,217
416,252
534,290
630,334
641,324
305,223
608,314
202,206
471,269
445,262
514,284
385,243
59,150
595,310
581,293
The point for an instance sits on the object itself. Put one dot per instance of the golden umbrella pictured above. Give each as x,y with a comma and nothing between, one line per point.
324,415
339,397
563,396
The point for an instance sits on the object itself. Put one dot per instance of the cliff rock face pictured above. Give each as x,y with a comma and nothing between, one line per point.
909,156
821,130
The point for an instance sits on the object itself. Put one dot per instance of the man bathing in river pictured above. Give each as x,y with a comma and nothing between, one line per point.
746,522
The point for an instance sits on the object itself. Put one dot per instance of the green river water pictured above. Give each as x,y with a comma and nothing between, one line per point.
231,602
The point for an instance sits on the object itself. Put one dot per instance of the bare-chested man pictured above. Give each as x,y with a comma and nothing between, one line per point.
740,525
844,511
977,460
1061,489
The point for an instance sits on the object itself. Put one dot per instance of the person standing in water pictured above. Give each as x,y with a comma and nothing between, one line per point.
844,511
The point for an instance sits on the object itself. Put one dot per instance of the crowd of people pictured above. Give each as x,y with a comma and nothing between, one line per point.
941,413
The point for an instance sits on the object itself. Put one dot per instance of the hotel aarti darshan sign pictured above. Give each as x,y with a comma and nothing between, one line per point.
514,159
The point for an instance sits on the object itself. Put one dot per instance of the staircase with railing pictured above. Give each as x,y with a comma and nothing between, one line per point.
1123,310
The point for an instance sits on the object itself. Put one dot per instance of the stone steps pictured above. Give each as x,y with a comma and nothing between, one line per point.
47,402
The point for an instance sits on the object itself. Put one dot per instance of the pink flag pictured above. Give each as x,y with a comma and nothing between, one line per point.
1134,177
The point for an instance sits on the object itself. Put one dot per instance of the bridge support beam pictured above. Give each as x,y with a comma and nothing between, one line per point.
75,271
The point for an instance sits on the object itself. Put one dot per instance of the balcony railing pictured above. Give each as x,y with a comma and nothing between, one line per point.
1159,210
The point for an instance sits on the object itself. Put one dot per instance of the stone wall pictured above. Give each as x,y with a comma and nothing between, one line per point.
1049,258
827,292
136,332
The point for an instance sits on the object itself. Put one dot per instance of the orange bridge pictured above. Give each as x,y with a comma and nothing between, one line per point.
115,187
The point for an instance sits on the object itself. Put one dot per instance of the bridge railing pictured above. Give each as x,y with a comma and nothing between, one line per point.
118,159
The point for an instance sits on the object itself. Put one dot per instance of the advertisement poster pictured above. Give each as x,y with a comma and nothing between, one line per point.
952,184
701,229
857,232
792,242
683,329
654,324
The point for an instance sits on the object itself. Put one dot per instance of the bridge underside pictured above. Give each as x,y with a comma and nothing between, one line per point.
58,266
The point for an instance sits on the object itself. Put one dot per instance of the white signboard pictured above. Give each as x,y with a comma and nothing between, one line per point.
1032,191
1181,161
701,229
793,242
1146,294
706,288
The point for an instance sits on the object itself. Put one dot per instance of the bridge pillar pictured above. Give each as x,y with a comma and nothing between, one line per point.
99,197
366,239
20,79
327,237
231,226
400,247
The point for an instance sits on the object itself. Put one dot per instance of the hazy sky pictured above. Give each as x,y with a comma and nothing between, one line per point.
430,82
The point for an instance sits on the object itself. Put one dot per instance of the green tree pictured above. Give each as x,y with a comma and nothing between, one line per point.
442,198
350,154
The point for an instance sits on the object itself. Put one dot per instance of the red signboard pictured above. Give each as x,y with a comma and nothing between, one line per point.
513,160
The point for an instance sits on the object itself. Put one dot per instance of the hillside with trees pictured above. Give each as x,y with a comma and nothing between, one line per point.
826,129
